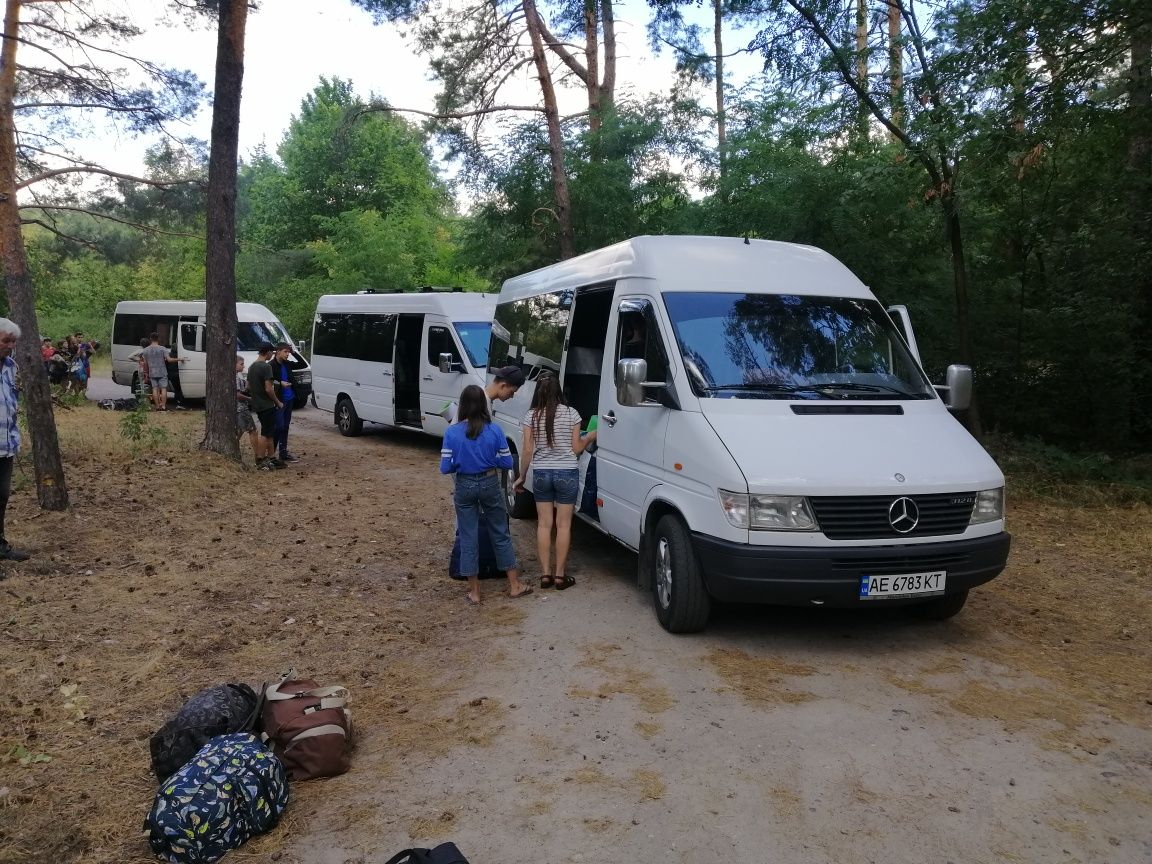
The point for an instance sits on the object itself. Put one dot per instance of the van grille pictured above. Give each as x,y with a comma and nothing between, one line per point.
866,517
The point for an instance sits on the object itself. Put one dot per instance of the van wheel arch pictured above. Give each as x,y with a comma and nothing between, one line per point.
656,510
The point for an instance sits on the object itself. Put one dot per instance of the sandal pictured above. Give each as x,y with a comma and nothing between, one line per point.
546,581
564,582
523,593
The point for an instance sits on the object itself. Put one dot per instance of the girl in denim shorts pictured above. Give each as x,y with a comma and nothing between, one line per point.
552,442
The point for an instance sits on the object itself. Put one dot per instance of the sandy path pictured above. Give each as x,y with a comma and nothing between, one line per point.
587,733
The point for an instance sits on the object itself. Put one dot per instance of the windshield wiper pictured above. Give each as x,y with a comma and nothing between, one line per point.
867,388
765,387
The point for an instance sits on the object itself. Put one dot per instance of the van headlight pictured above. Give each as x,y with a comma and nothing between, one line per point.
767,512
989,506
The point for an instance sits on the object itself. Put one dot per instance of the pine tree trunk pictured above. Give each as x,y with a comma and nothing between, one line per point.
960,284
220,265
895,66
1138,171
721,120
561,201
592,61
51,489
608,84
862,115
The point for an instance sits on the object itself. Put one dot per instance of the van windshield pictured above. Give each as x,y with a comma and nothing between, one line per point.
784,346
475,335
249,334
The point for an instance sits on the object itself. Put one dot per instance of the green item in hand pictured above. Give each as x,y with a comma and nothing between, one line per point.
593,423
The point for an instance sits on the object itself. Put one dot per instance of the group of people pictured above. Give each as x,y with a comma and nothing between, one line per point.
68,362
476,451
266,392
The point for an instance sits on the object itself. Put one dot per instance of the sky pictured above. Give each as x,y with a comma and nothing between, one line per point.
290,44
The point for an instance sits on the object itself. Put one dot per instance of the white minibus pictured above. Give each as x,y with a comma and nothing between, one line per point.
180,325
766,432
398,359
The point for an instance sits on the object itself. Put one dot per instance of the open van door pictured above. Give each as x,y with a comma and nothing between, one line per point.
194,370
442,377
903,322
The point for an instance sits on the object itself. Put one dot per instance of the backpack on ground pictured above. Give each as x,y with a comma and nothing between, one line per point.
445,853
211,712
308,726
233,789
487,556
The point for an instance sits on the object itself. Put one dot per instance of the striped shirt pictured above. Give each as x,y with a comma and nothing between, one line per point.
559,456
10,443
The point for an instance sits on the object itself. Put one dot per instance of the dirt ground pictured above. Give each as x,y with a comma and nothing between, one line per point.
558,727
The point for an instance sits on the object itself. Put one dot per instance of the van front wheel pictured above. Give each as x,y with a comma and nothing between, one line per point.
347,421
941,608
678,593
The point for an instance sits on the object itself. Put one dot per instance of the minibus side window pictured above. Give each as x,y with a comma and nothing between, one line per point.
440,342
530,333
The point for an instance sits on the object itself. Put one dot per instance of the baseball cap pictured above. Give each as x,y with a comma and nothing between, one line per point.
513,375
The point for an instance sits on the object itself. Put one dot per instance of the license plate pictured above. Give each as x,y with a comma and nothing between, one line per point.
902,585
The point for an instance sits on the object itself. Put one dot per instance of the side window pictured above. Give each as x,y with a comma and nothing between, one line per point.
530,333
379,337
638,338
190,337
440,342
130,329
328,339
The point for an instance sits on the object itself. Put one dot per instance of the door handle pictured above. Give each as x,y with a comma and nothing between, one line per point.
609,418
428,378
387,372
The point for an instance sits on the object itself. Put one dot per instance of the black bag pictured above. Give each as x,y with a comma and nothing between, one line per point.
445,853
215,711
488,568
588,497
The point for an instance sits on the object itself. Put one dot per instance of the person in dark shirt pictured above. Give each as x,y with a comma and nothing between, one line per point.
265,403
474,450
282,381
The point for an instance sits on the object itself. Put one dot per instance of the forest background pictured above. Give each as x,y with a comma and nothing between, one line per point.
988,164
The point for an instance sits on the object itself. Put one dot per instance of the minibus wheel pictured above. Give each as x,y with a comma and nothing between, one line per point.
941,608
678,593
347,420
521,505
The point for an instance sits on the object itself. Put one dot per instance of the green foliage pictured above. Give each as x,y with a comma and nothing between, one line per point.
136,427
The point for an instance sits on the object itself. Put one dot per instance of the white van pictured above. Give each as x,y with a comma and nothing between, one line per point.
766,431
180,325
398,359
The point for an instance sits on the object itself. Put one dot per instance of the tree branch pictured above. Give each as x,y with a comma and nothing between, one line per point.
562,52
448,115
149,228
92,169
54,230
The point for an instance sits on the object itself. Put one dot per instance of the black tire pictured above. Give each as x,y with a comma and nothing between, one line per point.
521,505
347,421
941,608
299,403
678,594
135,383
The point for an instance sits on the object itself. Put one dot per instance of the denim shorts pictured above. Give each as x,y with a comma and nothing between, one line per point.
556,485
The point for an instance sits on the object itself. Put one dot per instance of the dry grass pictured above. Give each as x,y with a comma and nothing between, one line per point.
759,680
175,570
621,680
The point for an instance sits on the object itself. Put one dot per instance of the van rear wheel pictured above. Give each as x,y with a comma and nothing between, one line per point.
678,593
521,505
347,421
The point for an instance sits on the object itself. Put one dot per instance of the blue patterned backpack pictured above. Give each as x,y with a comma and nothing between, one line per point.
231,790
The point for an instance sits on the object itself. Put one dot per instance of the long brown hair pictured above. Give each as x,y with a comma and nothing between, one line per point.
546,398
474,409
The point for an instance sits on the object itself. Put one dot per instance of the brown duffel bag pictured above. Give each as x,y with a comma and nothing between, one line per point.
308,726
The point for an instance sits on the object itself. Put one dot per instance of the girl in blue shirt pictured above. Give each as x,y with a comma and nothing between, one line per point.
475,451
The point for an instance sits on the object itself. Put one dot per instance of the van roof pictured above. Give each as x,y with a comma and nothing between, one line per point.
689,263
457,306
244,311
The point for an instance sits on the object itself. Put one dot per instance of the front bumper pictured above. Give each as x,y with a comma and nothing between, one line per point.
830,576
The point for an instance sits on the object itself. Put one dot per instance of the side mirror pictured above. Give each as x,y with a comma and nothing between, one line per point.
630,375
447,365
959,383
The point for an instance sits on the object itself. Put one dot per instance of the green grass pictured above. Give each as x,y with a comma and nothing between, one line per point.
1042,470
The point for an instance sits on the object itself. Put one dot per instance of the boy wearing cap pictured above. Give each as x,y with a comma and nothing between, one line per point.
265,404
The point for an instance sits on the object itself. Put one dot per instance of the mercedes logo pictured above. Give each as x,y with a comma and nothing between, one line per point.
903,515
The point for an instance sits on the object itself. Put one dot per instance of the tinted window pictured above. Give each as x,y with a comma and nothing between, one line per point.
440,342
475,335
355,336
249,334
530,333
130,329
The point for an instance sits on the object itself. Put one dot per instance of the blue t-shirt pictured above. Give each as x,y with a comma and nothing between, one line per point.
466,455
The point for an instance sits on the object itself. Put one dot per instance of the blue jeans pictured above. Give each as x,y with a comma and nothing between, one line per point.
283,421
476,494
556,485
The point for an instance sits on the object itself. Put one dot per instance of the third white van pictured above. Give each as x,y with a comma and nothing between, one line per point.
766,432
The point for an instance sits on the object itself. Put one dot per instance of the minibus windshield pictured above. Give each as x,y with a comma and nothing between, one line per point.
785,346
475,335
249,334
